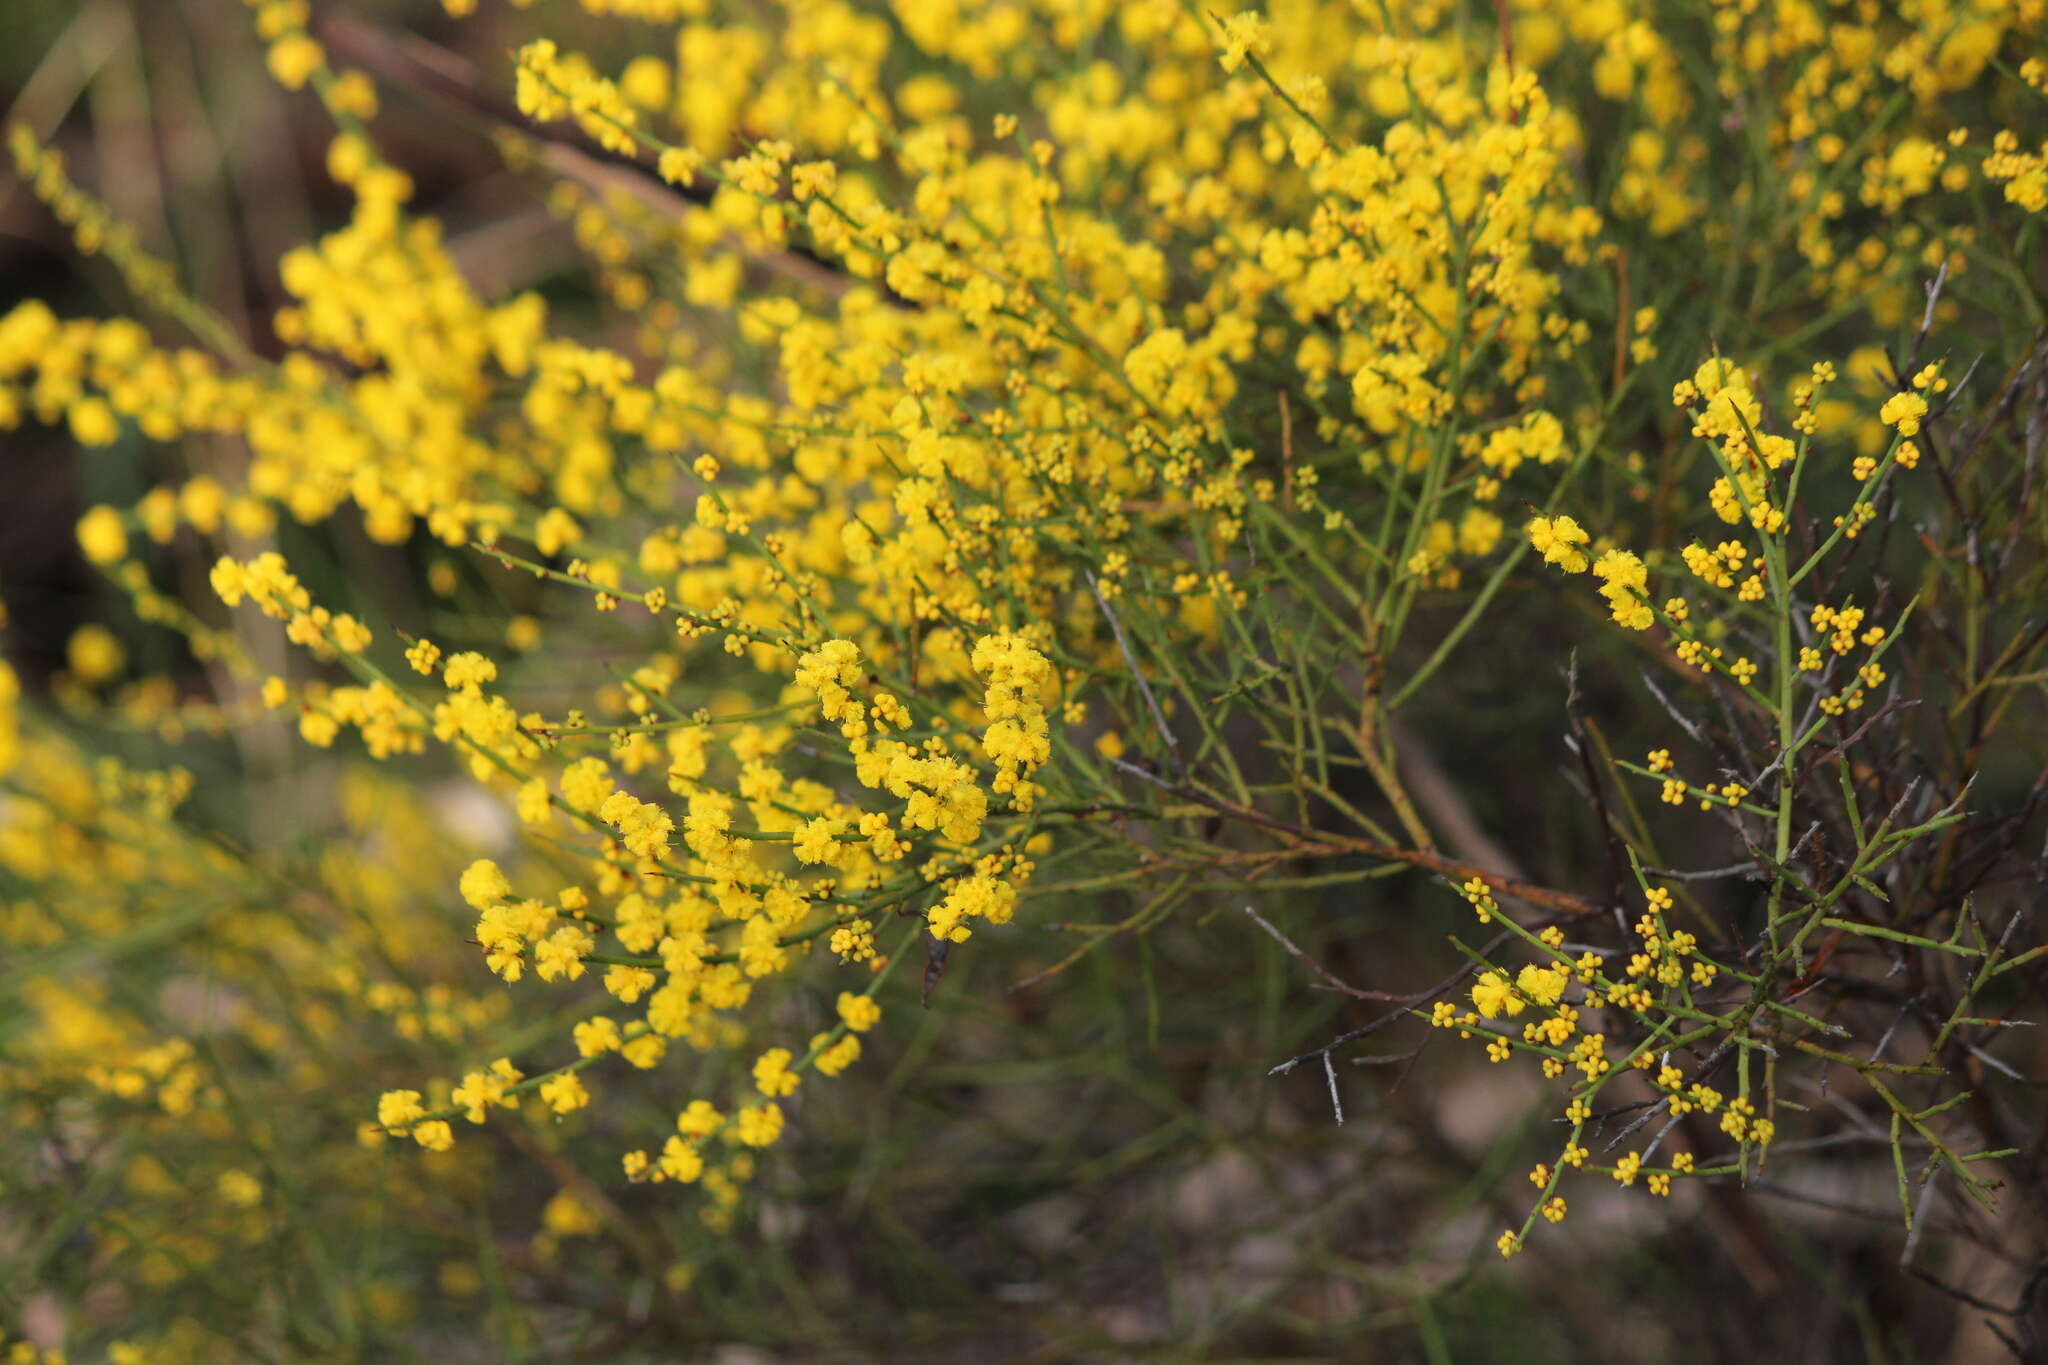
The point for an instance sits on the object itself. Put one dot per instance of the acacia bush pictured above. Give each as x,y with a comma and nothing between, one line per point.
1065,681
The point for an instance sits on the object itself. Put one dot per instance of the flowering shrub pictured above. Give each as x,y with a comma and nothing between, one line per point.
1016,461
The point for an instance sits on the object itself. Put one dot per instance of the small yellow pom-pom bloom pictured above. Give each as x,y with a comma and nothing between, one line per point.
680,1161
101,536
468,670
398,1108
860,1012
1903,411
564,1093
1492,996
759,1125
93,654
772,1076
293,59
483,885
93,423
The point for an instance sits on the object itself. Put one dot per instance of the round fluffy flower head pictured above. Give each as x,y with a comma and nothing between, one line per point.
1729,407
1623,582
835,661
772,1075
1244,35
293,59
829,670
1492,996
837,1057
93,423
564,1093
818,840
397,1109
435,1135
759,1125
643,826
561,953
482,1089
1016,674
699,1120
859,1011
1560,541
1716,373
349,635
94,653
1544,985
101,536
680,1161
483,885
1904,411
468,671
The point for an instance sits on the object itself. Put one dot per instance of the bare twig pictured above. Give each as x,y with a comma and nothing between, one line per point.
1137,675
1318,968
1672,874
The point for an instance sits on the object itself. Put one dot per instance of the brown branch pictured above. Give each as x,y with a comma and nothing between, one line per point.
1318,968
1316,842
